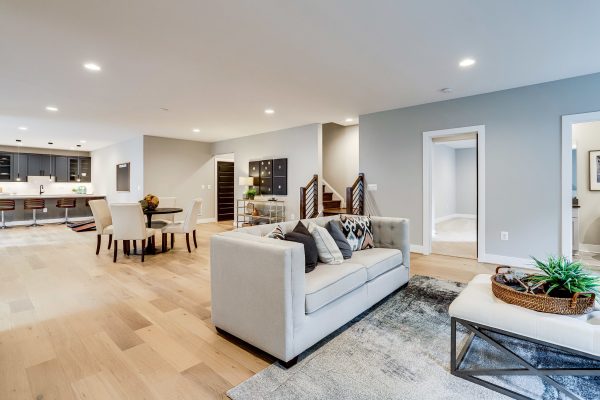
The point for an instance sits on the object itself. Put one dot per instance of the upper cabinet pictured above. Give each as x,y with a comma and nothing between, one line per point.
18,166
5,167
80,169
40,165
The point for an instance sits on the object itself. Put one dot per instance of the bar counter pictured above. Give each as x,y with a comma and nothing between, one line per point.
53,214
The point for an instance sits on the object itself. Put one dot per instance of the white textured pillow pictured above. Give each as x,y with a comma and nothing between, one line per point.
329,252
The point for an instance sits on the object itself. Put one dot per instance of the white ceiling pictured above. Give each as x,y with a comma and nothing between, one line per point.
216,65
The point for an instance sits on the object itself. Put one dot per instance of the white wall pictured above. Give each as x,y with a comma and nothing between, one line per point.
300,145
340,155
587,138
466,181
104,165
443,181
180,168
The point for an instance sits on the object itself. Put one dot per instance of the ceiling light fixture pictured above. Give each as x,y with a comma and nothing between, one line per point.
446,90
92,67
22,128
349,119
467,62
82,141
196,130
51,108
269,111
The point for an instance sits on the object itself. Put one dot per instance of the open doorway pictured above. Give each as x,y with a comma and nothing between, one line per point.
224,188
454,192
454,195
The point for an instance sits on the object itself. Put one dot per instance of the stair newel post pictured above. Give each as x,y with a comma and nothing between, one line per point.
302,203
316,196
349,201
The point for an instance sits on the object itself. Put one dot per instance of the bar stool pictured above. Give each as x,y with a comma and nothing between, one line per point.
34,204
6,205
66,204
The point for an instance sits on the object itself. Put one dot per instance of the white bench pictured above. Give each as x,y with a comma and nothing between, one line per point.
478,310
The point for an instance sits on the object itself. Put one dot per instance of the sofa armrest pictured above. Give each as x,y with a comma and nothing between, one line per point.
393,233
258,290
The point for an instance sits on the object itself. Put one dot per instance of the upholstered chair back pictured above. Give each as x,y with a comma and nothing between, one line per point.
101,214
128,222
191,219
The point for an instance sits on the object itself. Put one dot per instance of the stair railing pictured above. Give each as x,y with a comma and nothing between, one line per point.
355,196
309,199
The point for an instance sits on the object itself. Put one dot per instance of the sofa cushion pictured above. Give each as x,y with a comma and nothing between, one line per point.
377,261
311,255
358,232
330,282
276,233
301,228
333,227
329,253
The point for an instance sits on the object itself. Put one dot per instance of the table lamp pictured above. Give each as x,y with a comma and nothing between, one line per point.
246,181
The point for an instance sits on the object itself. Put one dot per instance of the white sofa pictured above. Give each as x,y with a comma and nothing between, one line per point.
261,294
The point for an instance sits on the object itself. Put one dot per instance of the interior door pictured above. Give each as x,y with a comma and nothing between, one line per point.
225,196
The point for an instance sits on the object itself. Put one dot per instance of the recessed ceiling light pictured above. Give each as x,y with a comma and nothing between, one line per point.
82,141
92,67
51,108
269,111
467,62
22,128
196,130
446,90
349,119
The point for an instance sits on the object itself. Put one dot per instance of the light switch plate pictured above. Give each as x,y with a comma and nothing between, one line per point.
503,235
45,210
372,187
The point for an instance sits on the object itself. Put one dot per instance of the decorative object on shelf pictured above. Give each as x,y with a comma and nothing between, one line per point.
258,212
563,287
595,170
249,209
149,202
250,193
248,182
255,213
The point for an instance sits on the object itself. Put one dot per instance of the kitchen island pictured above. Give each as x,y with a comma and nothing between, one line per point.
52,214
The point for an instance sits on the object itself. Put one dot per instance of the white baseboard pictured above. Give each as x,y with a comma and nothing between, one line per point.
505,260
589,248
416,248
48,221
206,220
453,216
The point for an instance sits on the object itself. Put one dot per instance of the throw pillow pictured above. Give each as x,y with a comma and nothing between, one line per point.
276,233
333,227
329,253
301,228
358,232
311,255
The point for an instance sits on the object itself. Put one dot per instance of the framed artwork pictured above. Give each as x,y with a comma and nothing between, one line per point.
595,170
123,177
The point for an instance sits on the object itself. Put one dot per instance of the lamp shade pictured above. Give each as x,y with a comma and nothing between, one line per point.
246,181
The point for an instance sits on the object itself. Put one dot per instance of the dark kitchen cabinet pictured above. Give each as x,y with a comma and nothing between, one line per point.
19,167
62,168
5,167
85,164
80,169
39,165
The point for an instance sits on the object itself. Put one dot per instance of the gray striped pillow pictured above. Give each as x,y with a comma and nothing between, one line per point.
329,252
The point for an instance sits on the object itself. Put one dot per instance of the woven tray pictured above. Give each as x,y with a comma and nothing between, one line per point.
576,305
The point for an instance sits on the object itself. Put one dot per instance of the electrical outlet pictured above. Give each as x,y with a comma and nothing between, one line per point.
209,187
503,235
372,187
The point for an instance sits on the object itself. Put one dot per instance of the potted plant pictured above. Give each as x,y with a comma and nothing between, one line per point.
250,193
562,287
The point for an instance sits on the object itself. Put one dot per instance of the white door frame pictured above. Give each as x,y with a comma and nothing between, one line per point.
223,157
566,178
427,184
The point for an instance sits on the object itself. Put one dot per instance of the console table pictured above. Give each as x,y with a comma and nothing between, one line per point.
257,212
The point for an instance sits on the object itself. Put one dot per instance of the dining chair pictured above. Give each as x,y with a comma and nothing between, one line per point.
186,226
164,220
103,221
129,224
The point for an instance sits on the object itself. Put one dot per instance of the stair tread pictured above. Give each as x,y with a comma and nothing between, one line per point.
334,211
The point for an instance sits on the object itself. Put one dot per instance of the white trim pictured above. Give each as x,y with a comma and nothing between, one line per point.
509,261
222,157
566,231
49,221
589,248
427,190
453,216
205,220
343,204
416,248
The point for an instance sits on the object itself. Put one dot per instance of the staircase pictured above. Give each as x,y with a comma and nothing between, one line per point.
331,206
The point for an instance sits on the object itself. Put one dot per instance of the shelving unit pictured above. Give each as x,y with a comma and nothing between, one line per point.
269,212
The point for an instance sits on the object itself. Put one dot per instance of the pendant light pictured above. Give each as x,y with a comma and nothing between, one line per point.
78,164
50,177
18,160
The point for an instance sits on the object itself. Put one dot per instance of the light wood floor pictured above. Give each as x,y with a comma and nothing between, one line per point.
74,325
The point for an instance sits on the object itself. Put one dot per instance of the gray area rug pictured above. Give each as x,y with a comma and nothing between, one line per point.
400,349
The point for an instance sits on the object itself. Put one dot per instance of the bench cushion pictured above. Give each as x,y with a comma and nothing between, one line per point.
477,303
327,283
377,261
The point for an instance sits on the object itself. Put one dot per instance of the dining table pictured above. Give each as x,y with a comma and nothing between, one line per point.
150,248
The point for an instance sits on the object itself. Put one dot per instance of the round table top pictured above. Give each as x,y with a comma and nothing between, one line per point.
164,210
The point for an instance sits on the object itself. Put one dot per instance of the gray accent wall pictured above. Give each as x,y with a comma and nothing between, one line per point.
180,168
466,181
523,131
300,145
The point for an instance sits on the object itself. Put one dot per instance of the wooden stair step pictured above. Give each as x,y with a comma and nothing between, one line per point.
332,204
327,196
333,211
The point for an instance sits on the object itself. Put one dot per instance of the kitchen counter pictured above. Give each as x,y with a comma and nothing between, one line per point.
48,196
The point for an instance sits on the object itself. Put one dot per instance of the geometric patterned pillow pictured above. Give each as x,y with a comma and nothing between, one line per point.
358,231
276,233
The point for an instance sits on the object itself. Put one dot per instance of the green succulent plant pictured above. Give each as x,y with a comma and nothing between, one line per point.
564,277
